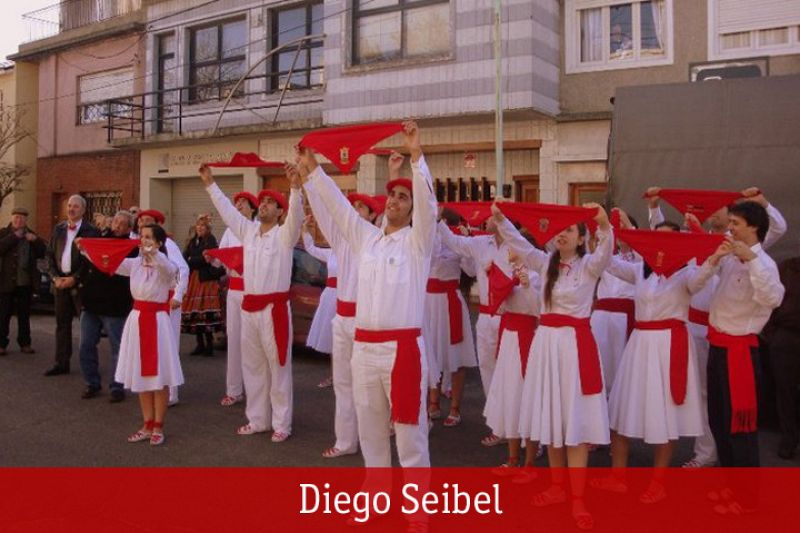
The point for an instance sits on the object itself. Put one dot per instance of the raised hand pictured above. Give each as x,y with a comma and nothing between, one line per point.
206,175
395,163
652,195
411,133
601,217
754,194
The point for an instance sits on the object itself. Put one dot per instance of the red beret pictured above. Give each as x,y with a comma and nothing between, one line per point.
157,215
402,182
275,195
250,197
366,199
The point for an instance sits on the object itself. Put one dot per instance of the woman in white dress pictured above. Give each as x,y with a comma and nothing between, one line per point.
563,402
320,334
148,359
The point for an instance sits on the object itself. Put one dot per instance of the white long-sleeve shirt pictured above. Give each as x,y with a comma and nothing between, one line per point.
573,291
392,269
150,281
325,255
175,255
267,256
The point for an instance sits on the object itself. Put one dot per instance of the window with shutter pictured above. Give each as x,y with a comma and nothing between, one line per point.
105,92
750,28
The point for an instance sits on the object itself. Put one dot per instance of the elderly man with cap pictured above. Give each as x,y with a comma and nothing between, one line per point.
64,261
343,326
388,364
19,249
174,254
266,318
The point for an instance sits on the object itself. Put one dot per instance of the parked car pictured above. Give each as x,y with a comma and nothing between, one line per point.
308,281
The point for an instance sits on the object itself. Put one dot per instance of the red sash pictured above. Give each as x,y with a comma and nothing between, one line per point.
618,305
524,326
678,353
450,288
588,357
280,317
235,283
148,335
486,310
406,372
330,283
697,316
741,380
346,309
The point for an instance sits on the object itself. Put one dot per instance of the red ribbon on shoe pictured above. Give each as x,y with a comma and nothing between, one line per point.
148,334
525,327
280,317
741,380
588,356
450,288
678,353
107,253
618,305
232,257
406,373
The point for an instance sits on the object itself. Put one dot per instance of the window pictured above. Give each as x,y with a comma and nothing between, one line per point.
287,26
392,30
581,193
105,202
103,93
749,29
167,99
217,55
614,34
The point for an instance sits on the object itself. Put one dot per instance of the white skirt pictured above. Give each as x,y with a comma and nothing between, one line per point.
320,335
610,330
445,357
129,369
641,405
554,410
505,393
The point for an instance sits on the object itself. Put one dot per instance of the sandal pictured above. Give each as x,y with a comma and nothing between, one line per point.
452,420
583,519
552,496
525,475
247,429
279,436
333,452
609,484
492,440
157,438
694,463
325,383
654,493
434,411
507,469
228,400
142,434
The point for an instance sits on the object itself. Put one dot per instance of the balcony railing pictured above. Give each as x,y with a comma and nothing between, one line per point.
70,14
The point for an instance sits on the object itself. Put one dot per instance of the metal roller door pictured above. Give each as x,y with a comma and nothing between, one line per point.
189,199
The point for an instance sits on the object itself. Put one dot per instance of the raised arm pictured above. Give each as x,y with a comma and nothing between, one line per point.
230,215
533,258
624,270
777,226
323,218
461,245
654,214
603,252
321,254
182,267
289,232
166,268
423,215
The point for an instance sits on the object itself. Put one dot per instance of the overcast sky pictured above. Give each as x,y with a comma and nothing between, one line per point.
12,29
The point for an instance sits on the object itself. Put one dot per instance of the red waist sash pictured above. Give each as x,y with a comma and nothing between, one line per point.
148,334
697,316
524,326
484,309
331,283
235,283
345,309
406,373
588,357
618,305
741,380
450,288
280,317
678,353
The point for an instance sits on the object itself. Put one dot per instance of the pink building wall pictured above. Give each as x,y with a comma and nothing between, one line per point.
59,73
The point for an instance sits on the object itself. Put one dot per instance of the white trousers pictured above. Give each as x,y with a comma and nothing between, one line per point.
705,451
175,317
233,329
268,384
486,331
372,385
345,422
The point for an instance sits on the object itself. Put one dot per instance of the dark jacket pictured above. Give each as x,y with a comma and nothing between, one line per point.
787,315
9,243
56,248
102,294
194,258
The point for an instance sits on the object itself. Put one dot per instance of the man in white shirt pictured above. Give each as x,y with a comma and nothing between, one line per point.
389,366
266,317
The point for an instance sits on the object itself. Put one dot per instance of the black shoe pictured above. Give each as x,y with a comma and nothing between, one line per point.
786,450
57,370
117,395
90,392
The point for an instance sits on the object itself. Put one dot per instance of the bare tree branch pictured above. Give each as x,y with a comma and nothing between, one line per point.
11,133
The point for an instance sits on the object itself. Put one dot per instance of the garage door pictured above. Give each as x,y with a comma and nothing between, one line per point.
189,199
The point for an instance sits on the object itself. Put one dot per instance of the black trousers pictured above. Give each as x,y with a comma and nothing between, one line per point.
20,301
67,307
784,356
739,449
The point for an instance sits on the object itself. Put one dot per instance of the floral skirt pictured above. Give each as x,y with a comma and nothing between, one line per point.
201,310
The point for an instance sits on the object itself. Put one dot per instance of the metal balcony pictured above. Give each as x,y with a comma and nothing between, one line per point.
71,14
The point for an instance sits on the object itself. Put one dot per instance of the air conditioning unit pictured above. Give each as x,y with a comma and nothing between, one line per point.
726,70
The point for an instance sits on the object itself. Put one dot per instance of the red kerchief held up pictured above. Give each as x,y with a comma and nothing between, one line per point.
701,204
668,251
475,213
108,254
343,146
500,287
246,160
545,221
232,257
